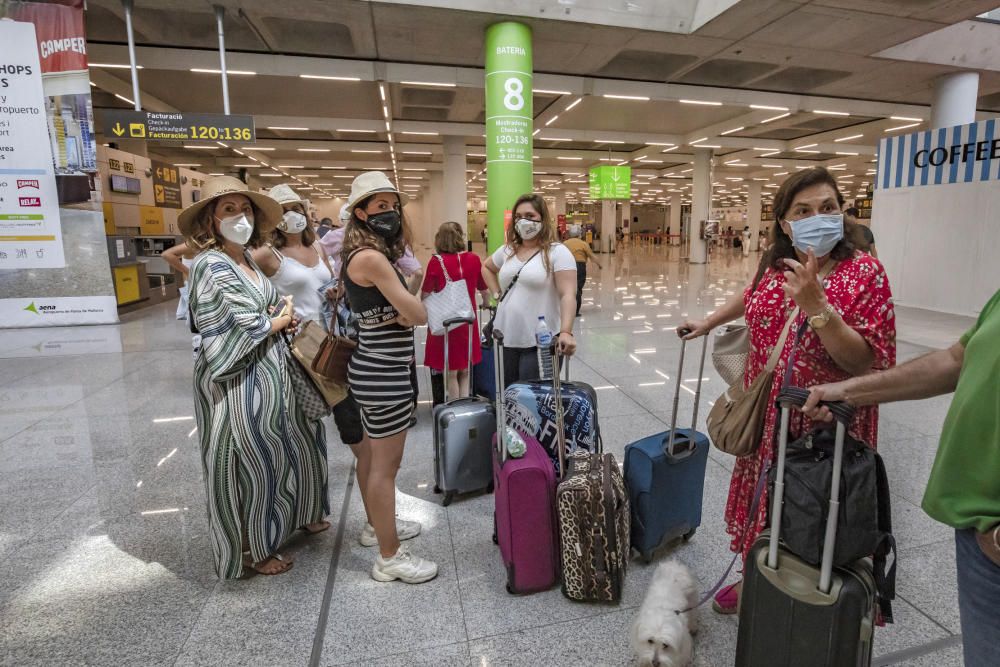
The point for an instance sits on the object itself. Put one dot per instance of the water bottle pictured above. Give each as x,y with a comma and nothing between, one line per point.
543,341
516,447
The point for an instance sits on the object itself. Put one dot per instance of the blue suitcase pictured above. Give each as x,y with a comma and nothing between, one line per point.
484,382
665,477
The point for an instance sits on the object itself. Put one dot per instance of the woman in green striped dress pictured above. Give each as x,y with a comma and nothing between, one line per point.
265,464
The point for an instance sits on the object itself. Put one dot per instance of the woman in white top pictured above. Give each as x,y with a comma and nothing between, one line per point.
546,286
294,260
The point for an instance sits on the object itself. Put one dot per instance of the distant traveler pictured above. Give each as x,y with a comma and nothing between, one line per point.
581,253
964,486
379,373
450,246
180,257
853,215
846,323
325,226
264,474
745,240
546,283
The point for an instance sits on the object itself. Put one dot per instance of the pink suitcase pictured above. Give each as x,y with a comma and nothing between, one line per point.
525,520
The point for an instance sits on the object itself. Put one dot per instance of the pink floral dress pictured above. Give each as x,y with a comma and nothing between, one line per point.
859,290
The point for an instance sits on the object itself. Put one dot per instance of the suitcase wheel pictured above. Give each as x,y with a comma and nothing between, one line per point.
690,534
489,489
437,489
509,589
496,540
448,497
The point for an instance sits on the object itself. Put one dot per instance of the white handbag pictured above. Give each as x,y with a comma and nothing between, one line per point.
450,303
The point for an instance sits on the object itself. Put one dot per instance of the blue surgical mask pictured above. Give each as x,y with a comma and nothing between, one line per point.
821,233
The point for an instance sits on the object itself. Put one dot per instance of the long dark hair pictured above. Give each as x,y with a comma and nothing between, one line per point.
546,237
781,243
358,236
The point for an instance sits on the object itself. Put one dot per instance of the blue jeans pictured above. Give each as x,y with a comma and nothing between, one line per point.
978,596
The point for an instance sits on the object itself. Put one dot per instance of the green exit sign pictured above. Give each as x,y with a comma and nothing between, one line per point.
610,182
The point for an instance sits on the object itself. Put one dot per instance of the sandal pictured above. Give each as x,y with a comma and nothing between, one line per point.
316,528
259,567
727,600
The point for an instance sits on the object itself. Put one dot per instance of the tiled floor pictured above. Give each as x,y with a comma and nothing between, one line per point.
105,558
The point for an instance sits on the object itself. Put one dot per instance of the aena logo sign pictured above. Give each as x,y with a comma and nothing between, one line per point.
38,310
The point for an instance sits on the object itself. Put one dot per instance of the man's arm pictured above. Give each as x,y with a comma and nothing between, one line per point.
930,375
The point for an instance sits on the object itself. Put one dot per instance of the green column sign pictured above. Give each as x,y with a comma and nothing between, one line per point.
610,182
508,123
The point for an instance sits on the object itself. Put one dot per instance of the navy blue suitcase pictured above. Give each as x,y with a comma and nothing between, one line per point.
484,381
665,477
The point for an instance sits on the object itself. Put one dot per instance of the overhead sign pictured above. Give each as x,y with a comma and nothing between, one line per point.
188,127
610,182
960,154
30,229
166,185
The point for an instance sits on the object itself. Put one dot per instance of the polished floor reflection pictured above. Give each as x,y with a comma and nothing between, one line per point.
104,548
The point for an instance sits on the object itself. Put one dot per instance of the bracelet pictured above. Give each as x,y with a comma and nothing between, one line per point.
570,333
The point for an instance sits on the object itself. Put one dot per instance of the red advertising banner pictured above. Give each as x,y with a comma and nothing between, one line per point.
62,44
561,223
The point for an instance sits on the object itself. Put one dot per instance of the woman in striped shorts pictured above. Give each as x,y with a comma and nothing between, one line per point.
379,372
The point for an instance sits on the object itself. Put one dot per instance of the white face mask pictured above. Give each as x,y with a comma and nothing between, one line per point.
528,229
293,222
237,228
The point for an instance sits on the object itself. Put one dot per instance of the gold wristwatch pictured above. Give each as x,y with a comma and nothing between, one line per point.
821,320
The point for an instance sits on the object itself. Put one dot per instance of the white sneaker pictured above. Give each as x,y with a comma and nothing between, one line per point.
404,566
405,530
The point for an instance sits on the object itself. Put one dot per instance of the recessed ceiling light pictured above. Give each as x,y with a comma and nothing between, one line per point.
290,166
416,152
702,102
853,136
697,141
288,129
427,134
918,120
561,157
237,72
201,148
330,78
187,164
313,150
539,91
608,141
636,98
831,113
902,127
367,150
432,84
774,118
735,129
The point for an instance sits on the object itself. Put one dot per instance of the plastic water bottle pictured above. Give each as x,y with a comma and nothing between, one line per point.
543,341
516,447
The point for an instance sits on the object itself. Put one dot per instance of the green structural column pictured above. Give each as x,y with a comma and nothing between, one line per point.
508,123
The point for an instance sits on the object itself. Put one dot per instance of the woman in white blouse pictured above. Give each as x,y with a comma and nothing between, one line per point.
545,286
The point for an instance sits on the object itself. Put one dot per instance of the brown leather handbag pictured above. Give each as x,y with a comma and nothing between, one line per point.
736,421
335,351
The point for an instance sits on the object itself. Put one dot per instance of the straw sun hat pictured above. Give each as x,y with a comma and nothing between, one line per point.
371,183
269,210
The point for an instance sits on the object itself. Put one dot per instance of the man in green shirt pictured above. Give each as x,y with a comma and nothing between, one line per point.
964,487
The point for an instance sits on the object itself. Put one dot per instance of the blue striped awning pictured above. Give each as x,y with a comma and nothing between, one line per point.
960,154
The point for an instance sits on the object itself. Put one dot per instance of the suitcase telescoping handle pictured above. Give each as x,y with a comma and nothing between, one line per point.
795,397
557,404
498,376
677,395
447,330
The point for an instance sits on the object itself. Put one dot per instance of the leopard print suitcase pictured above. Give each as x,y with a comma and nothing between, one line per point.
593,510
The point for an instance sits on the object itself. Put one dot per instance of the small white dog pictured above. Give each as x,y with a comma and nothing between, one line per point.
660,636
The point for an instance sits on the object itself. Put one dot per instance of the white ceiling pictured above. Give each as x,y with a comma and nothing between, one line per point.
802,58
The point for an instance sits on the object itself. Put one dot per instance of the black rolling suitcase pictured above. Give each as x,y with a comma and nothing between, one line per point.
792,613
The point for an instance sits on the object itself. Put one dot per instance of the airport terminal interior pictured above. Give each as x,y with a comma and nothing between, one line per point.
106,551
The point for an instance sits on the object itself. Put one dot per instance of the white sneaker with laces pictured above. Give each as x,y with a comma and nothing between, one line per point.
405,530
404,566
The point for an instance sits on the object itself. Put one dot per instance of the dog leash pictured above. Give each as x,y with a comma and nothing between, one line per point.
752,516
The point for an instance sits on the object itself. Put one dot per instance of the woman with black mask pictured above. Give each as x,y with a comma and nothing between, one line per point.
379,373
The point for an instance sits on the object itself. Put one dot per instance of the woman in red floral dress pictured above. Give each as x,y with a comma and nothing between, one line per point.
845,326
